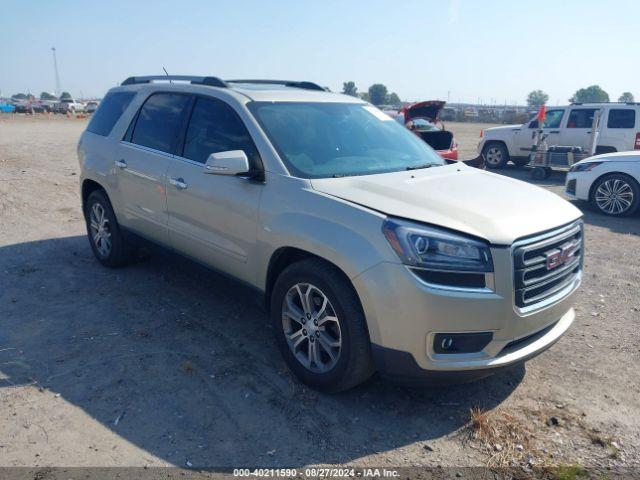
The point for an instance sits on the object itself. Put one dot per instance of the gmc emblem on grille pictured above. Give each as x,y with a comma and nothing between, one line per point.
562,255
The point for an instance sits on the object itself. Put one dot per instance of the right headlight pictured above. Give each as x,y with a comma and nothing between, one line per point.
437,249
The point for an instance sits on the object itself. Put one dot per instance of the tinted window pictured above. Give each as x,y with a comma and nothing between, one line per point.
109,112
214,127
159,120
581,118
619,118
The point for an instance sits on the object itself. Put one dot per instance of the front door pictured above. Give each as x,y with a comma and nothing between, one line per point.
213,218
525,137
142,161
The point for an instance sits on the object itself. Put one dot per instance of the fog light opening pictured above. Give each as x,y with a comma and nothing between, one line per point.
450,343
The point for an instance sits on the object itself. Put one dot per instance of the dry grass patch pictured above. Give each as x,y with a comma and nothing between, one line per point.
502,437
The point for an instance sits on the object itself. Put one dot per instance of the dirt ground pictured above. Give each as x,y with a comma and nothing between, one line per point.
165,363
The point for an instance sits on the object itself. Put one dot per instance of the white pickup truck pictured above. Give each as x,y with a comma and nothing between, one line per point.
619,130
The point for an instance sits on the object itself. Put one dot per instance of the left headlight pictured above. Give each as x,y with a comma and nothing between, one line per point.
584,167
436,249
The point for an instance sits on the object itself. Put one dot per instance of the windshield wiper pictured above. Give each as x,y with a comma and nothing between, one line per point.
424,165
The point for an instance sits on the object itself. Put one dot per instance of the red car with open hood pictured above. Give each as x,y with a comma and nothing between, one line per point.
422,118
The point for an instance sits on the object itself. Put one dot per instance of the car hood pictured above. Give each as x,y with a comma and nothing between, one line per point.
503,128
486,205
630,156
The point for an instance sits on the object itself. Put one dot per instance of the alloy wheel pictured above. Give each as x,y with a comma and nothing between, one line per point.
311,327
100,230
614,196
493,156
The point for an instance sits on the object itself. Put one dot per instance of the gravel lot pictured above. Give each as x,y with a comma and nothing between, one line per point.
164,363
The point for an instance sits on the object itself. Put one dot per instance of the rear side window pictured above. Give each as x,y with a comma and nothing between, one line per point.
159,121
621,118
581,118
215,127
109,111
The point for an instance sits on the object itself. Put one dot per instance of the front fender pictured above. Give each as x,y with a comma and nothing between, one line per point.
292,214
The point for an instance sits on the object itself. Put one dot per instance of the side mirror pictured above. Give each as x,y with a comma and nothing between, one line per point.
533,124
232,162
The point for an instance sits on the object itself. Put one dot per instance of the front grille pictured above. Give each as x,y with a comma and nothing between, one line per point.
546,265
571,187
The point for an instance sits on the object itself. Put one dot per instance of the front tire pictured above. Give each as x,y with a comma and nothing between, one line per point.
495,155
105,237
320,327
616,195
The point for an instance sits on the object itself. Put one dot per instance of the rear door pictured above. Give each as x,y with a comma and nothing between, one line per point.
577,130
213,218
142,161
619,129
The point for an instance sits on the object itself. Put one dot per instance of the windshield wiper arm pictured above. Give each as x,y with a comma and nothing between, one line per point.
424,165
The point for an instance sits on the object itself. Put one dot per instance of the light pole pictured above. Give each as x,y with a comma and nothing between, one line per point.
55,68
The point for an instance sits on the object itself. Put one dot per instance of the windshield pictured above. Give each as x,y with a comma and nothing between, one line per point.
319,140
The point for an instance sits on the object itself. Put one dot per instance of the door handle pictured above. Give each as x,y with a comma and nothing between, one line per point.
179,183
554,131
120,163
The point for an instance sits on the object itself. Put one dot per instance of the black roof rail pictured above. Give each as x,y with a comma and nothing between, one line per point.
287,83
210,81
604,103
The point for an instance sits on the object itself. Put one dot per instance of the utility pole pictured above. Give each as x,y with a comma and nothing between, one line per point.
55,68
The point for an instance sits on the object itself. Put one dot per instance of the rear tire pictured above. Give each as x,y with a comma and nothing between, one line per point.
495,155
616,195
320,327
105,237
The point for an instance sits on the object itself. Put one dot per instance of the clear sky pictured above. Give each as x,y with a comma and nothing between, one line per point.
492,50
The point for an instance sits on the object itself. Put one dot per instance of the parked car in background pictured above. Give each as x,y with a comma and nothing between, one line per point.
423,119
69,105
372,252
619,130
610,182
90,107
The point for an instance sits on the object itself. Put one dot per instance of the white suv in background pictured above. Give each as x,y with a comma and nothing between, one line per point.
571,125
371,252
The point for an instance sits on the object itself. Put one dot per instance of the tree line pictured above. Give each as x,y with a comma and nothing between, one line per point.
43,96
592,94
378,94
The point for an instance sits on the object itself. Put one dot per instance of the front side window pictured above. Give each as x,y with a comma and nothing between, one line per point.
159,120
581,118
553,118
319,140
110,111
214,127
621,118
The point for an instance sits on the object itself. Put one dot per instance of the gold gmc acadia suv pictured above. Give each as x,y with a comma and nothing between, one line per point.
372,253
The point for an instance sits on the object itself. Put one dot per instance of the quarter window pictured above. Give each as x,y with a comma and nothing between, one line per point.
581,118
159,121
215,127
621,118
109,112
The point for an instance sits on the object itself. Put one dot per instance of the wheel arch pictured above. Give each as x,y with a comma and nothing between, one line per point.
285,256
88,187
